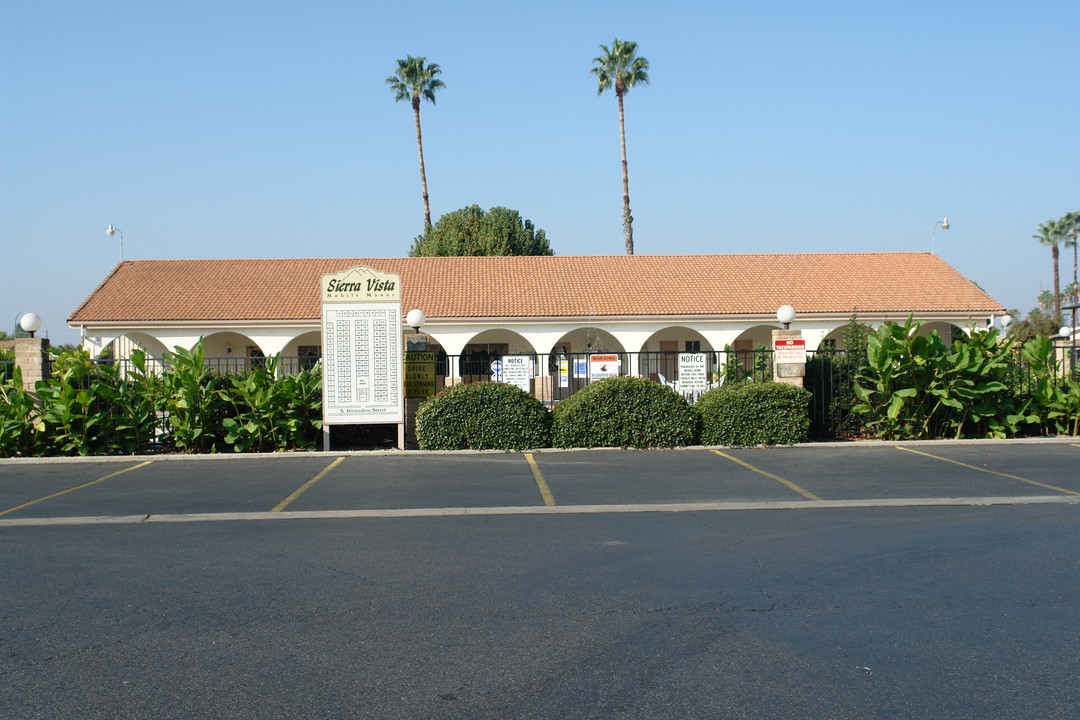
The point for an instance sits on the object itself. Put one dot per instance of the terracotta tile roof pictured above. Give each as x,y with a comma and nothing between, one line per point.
607,285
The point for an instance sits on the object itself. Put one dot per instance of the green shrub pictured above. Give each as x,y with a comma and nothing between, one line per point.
483,416
624,412
749,414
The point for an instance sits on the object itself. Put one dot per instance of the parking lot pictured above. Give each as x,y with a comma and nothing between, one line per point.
847,582
178,488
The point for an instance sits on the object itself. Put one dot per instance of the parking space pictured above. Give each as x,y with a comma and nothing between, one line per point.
327,482
600,477
175,486
862,473
422,481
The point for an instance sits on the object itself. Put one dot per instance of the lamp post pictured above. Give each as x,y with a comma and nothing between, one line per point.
933,238
786,315
113,230
30,322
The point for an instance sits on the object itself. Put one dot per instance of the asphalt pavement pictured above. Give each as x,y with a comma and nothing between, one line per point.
861,581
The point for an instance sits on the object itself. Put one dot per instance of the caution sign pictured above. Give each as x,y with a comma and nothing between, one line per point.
419,374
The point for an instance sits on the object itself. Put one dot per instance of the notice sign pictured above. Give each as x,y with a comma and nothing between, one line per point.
419,374
693,373
789,351
516,370
603,366
361,339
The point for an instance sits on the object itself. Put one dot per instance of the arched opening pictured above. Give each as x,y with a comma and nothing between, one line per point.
837,338
658,359
230,352
475,361
302,352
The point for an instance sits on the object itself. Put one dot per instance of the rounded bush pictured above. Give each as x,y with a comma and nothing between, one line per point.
748,414
483,416
624,412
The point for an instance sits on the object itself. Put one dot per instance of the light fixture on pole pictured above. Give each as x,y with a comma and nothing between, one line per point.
30,322
1065,331
786,315
1006,320
113,230
416,319
933,239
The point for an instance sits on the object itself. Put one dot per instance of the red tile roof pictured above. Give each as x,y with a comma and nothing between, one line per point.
529,287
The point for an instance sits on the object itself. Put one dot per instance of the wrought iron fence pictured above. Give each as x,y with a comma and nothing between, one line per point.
7,370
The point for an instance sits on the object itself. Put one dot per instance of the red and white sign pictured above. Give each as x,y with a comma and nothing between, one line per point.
789,351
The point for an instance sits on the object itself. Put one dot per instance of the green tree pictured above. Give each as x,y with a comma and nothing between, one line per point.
412,81
621,67
471,231
1052,234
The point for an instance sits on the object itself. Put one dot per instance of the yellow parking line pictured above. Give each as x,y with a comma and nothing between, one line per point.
545,491
303,488
77,487
748,466
992,472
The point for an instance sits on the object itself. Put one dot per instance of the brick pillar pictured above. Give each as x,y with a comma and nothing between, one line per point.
32,357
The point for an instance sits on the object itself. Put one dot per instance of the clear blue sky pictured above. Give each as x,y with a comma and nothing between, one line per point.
265,129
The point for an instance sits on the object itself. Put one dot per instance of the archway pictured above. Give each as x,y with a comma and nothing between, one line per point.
231,352
658,358
302,352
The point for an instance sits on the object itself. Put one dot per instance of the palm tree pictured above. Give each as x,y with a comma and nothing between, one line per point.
1051,233
412,81
1071,227
620,66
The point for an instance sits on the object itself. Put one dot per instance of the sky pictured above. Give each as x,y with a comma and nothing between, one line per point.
266,129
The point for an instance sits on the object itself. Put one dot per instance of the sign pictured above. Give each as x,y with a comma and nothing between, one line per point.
693,373
789,351
361,339
516,370
419,374
564,372
496,370
603,366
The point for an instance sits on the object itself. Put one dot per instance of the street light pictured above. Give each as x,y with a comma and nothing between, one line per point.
786,315
30,322
113,230
1006,320
933,239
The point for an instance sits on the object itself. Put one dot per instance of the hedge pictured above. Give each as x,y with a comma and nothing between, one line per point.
624,412
483,416
752,414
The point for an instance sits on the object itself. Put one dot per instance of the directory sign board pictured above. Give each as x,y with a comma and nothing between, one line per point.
361,339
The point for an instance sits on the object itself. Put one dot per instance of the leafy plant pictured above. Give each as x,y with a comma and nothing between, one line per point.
749,414
624,411
916,386
20,424
1054,399
483,415
271,413
192,403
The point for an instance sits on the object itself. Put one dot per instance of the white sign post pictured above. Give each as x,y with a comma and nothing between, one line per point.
516,370
693,373
361,340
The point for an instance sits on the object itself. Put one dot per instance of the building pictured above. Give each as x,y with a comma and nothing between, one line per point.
479,307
